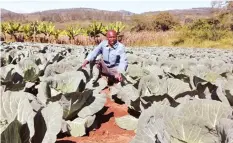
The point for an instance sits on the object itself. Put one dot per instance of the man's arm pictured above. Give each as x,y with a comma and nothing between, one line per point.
123,61
94,53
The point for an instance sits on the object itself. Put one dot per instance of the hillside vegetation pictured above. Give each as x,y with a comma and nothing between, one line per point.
210,27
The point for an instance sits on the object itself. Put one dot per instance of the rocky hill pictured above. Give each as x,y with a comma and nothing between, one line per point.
89,14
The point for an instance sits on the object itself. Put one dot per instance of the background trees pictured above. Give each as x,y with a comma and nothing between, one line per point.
149,29
163,21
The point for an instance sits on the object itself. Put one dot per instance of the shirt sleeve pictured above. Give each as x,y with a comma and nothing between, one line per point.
123,61
95,52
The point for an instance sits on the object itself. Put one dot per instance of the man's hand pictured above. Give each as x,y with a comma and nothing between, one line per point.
85,63
118,77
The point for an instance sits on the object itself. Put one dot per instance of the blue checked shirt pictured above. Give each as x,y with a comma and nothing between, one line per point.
113,57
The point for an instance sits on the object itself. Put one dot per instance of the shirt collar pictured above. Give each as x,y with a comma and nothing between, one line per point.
114,46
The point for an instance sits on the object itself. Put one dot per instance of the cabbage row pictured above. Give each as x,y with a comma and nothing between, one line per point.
173,94
178,95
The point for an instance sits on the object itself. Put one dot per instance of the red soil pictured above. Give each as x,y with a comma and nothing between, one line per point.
107,131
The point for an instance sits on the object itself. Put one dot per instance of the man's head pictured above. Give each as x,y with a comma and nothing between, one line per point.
112,37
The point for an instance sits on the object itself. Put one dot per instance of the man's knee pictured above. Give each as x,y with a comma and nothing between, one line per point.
98,64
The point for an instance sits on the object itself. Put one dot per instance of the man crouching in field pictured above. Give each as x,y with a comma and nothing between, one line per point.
114,61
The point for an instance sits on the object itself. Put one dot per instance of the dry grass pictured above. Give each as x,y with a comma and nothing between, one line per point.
152,39
149,38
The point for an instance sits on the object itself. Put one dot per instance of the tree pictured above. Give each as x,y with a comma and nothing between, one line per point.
224,13
164,21
142,23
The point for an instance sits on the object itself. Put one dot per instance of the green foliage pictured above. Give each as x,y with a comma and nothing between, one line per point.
164,21
46,28
95,29
226,19
4,29
13,27
142,23
27,31
217,30
72,31
117,26
56,33
202,30
34,25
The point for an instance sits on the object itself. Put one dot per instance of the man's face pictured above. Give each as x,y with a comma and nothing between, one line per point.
112,38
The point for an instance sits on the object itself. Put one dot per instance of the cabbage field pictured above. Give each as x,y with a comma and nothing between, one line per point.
175,95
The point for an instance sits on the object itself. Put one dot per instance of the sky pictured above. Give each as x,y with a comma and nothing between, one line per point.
136,6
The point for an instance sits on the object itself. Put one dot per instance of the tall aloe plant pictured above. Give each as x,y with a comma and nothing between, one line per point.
27,31
117,26
94,30
13,28
56,33
4,29
47,28
34,26
72,32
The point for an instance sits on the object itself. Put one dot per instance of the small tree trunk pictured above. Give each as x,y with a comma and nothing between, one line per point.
15,37
34,33
4,36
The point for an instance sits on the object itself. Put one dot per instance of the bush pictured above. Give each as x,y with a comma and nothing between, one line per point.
164,21
142,23
226,19
203,29
205,33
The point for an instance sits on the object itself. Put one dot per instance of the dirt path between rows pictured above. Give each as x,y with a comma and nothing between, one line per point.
106,131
